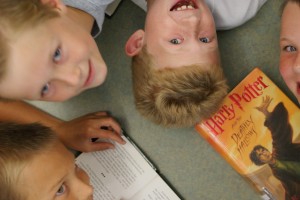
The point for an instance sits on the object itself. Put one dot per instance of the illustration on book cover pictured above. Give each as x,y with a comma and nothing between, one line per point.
257,131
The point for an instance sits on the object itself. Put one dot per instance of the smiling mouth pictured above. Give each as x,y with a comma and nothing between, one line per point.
184,5
90,75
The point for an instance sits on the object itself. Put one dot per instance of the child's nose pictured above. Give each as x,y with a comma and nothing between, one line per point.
87,191
68,74
84,186
83,190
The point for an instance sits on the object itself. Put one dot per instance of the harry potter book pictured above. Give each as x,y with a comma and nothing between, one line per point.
257,131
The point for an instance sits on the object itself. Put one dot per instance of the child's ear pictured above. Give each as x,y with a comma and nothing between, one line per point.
58,4
135,43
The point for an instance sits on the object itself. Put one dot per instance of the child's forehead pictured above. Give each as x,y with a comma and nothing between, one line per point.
53,156
14,32
46,171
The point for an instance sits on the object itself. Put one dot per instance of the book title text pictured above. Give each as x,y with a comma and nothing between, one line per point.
228,112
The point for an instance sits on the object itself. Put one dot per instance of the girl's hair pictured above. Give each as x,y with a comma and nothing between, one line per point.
18,145
17,16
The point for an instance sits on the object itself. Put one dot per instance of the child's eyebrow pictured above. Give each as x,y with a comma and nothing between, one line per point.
56,186
284,39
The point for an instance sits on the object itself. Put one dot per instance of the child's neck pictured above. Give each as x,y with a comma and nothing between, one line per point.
82,18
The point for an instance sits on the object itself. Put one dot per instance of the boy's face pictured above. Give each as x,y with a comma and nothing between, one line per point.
264,155
53,61
289,45
53,175
180,33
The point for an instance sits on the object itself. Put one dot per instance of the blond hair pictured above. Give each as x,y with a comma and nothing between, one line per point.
18,145
176,97
17,16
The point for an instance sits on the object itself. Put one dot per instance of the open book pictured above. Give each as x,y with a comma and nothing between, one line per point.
124,173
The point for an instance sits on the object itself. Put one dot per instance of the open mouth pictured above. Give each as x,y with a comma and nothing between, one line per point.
184,5
298,87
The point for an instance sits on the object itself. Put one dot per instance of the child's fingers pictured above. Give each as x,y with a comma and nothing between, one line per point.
104,135
110,124
104,121
99,146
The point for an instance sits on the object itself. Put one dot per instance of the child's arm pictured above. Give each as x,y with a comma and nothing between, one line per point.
76,134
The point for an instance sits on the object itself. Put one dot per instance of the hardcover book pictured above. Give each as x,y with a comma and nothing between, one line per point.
257,130
124,173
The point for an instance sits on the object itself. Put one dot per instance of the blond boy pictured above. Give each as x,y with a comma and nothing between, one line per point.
177,75
41,56
47,53
36,165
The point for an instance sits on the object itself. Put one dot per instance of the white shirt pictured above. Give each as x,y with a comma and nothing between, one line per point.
228,14
96,8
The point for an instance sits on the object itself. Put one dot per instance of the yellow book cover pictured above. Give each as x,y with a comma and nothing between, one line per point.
257,130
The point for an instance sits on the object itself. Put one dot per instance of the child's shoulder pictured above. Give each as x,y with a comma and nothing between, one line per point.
141,3
229,14
95,8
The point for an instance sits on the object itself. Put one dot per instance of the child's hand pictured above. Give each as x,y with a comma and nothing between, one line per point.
78,133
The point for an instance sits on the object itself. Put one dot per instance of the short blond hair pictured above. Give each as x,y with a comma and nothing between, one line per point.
17,16
176,97
18,145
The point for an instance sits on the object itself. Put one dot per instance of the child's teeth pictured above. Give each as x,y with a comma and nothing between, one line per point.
184,7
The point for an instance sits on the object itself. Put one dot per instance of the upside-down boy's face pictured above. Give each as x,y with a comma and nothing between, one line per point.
180,33
290,46
53,175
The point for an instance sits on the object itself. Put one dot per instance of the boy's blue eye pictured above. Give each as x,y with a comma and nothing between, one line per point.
176,41
61,190
204,40
57,55
290,48
45,89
